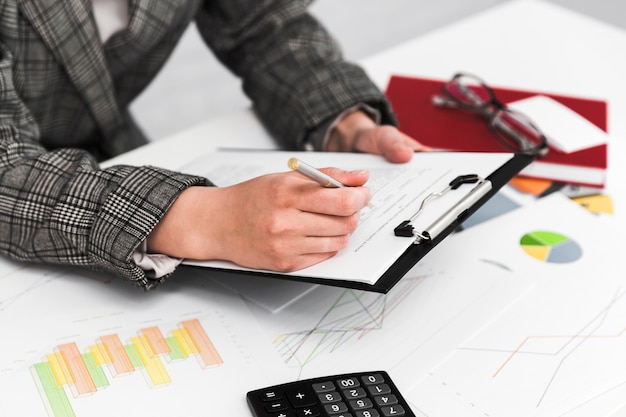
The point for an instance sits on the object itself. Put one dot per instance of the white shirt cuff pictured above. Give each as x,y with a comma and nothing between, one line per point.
156,265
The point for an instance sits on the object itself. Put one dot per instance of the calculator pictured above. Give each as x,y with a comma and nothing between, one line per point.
361,394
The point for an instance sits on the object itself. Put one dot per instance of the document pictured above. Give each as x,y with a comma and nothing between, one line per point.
559,349
398,191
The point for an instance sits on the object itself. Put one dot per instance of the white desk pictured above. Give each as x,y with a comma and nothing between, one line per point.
525,44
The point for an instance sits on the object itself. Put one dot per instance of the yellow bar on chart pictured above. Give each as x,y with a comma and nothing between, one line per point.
100,354
184,341
60,370
152,362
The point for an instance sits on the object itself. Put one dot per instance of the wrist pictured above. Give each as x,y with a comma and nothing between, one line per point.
345,133
189,229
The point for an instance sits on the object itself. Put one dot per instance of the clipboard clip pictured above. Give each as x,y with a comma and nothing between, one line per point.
406,229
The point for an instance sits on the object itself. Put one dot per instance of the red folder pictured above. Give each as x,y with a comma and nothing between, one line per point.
459,130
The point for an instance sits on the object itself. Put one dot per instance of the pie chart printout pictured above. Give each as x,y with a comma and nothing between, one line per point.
551,247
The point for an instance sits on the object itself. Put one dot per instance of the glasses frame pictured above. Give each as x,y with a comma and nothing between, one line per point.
494,111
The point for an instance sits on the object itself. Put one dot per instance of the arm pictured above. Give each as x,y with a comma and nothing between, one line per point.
291,68
59,207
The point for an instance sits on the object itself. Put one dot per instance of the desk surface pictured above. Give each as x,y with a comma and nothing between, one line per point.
525,44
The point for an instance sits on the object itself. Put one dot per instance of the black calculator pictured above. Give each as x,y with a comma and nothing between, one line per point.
362,394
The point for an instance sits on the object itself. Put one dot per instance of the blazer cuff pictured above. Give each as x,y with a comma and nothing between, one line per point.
129,214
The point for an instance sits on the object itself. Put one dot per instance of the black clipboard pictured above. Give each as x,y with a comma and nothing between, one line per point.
415,252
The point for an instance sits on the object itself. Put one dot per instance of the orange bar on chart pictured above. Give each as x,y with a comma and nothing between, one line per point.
206,349
83,384
119,358
156,339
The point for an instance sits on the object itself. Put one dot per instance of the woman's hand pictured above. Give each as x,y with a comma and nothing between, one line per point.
280,222
357,132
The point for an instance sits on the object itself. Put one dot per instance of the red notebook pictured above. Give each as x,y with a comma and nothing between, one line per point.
458,130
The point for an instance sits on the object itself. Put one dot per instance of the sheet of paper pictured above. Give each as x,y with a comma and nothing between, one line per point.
274,295
189,348
558,351
433,308
565,129
398,190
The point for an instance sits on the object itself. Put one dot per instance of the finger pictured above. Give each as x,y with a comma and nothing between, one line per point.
389,142
298,253
340,202
349,178
299,262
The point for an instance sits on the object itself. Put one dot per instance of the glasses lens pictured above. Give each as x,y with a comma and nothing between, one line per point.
468,91
518,133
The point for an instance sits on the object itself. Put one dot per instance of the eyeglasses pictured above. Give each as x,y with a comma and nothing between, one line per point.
514,130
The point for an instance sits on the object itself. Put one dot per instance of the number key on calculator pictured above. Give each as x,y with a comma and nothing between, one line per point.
362,394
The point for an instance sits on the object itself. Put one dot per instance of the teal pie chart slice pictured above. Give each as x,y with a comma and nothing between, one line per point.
551,247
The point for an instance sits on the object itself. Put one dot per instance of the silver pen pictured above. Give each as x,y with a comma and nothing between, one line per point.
313,173
316,175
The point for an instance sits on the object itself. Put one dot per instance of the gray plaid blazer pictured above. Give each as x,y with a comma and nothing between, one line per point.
63,107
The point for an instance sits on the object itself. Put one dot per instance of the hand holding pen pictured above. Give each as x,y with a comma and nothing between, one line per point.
315,174
280,222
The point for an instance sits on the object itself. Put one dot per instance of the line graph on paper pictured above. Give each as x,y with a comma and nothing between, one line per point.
552,353
441,306
352,315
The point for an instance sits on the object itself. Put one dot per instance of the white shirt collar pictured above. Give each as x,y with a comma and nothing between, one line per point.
111,17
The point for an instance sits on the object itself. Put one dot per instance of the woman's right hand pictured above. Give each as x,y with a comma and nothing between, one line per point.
281,222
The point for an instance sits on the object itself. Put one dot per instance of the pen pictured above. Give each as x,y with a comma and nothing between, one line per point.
313,173
316,175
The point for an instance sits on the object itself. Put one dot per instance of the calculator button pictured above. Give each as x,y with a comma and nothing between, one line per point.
353,394
336,408
276,406
379,389
348,382
393,411
308,412
367,413
382,400
361,404
284,414
271,395
372,379
323,387
329,397
301,397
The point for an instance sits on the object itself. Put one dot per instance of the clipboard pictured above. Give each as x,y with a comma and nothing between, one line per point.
466,203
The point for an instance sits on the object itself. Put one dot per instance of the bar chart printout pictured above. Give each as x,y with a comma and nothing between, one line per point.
69,373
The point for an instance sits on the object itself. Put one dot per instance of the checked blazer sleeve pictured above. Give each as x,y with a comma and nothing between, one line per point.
291,67
59,207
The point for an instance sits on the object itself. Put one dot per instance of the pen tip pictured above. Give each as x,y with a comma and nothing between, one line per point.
293,163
